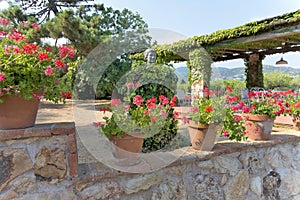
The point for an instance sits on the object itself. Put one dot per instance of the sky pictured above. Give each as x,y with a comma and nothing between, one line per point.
172,20
198,17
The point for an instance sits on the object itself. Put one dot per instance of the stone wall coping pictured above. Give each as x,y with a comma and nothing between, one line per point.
97,171
39,130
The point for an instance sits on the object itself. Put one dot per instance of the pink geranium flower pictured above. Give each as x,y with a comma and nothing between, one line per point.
138,100
2,77
49,71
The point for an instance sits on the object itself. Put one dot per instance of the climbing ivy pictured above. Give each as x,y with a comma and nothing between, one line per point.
200,68
179,51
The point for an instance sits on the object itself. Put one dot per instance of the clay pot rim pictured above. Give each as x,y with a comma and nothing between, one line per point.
136,134
257,117
195,125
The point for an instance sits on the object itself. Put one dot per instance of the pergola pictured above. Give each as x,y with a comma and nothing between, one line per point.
251,42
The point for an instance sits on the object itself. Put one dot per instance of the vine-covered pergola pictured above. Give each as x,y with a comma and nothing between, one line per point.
251,42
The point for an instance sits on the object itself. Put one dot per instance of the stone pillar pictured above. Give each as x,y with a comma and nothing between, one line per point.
200,71
254,71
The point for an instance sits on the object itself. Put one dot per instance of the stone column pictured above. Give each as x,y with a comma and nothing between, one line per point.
200,71
254,71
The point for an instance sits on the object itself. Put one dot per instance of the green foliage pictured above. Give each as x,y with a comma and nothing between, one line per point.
292,102
207,110
89,26
233,126
200,62
43,9
27,68
236,86
295,82
154,80
276,79
145,116
265,104
14,14
185,87
111,128
111,76
19,20
164,137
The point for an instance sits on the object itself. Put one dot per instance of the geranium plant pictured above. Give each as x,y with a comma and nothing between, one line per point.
146,116
31,70
233,126
265,103
206,110
292,102
222,111
233,122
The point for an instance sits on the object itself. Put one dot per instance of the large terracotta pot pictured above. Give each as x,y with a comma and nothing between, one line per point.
296,122
202,136
126,149
16,112
259,127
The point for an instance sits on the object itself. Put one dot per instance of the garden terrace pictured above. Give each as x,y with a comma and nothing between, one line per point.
41,163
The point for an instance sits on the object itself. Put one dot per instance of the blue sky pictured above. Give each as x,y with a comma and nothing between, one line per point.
197,17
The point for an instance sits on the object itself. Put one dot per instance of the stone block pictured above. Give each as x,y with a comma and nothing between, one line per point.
237,187
50,164
11,134
73,164
72,145
13,163
227,164
63,128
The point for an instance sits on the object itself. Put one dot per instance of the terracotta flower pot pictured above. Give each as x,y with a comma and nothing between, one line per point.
296,122
127,148
16,112
202,136
259,127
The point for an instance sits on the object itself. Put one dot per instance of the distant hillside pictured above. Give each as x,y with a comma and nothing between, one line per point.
223,73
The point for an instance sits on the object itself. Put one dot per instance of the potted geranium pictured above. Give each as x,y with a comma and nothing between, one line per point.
260,116
292,103
131,122
28,73
233,122
204,120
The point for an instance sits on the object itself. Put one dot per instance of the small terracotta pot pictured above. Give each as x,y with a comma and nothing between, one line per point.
16,112
259,127
127,148
202,136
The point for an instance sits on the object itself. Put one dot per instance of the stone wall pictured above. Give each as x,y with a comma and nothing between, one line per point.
40,163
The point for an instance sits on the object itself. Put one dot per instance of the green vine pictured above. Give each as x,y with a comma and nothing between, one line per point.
200,66
179,51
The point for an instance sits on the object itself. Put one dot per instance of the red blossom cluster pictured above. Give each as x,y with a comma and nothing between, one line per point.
16,49
66,95
151,109
262,102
